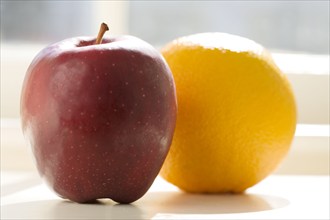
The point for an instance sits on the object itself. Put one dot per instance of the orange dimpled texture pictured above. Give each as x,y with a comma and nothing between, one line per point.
236,114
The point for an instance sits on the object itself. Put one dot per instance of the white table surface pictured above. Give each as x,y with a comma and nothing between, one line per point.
24,196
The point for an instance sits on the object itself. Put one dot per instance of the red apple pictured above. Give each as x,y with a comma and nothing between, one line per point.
99,117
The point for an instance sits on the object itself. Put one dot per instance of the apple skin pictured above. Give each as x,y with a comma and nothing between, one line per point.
99,118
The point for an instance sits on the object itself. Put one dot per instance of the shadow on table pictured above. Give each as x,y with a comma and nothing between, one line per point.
185,203
150,205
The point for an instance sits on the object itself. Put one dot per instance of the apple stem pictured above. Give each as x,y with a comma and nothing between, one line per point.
104,27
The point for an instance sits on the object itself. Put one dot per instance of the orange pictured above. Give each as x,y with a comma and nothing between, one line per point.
236,113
